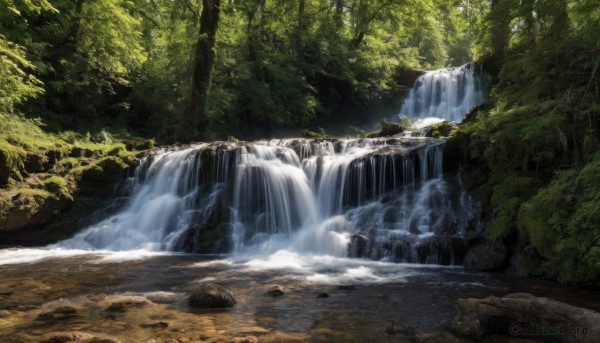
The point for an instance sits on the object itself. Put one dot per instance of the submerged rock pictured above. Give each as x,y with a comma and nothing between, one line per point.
526,316
275,291
211,295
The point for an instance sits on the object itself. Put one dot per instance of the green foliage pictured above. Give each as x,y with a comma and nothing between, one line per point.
537,142
561,221
321,134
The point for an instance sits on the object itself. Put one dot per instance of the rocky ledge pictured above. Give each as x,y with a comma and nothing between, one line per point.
523,315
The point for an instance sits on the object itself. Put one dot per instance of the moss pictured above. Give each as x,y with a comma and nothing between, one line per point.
390,129
116,150
57,185
66,164
443,129
508,193
561,221
321,134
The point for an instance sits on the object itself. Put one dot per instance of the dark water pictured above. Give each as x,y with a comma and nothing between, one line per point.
417,299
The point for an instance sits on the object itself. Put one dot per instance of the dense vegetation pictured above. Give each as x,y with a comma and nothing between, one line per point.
191,69
96,72
537,142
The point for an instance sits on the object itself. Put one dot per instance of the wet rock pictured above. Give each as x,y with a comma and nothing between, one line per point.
485,257
116,307
162,297
440,249
358,246
323,295
522,314
124,305
275,291
347,287
247,339
155,325
254,330
211,295
63,312
75,336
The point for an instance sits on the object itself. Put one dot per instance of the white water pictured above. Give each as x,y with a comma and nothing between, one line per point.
445,93
294,195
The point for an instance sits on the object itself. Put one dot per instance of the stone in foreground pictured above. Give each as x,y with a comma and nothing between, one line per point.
523,315
211,295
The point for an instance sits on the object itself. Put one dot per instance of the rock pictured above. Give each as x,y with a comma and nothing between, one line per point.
123,306
526,316
358,246
346,287
211,295
275,291
443,129
35,163
323,295
439,249
74,336
162,297
32,207
116,307
155,325
63,312
526,263
485,257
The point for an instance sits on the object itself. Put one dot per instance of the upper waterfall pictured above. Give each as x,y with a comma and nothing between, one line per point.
446,93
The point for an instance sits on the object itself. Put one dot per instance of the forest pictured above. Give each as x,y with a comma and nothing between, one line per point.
176,71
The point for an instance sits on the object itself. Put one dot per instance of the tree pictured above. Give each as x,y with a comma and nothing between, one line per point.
17,82
195,120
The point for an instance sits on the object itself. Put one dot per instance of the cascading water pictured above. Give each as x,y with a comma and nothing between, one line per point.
370,198
446,93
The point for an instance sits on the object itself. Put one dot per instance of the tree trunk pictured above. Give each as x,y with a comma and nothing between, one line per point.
500,30
560,22
339,13
75,26
194,120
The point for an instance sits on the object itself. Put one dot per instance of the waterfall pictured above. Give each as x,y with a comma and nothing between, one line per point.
382,199
446,93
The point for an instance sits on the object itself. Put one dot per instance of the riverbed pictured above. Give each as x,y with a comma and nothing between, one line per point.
326,299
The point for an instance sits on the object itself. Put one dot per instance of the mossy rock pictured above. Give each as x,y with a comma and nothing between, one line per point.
390,129
11,162
212,296
443,129
36,162
136,143
30,207
57,185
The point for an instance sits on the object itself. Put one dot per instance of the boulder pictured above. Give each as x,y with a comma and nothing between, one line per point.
32,207
275,291
485,257
211,295
526,316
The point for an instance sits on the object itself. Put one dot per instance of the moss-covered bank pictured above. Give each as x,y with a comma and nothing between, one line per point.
51,183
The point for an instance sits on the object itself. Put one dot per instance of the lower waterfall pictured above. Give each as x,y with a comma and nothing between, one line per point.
381,199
